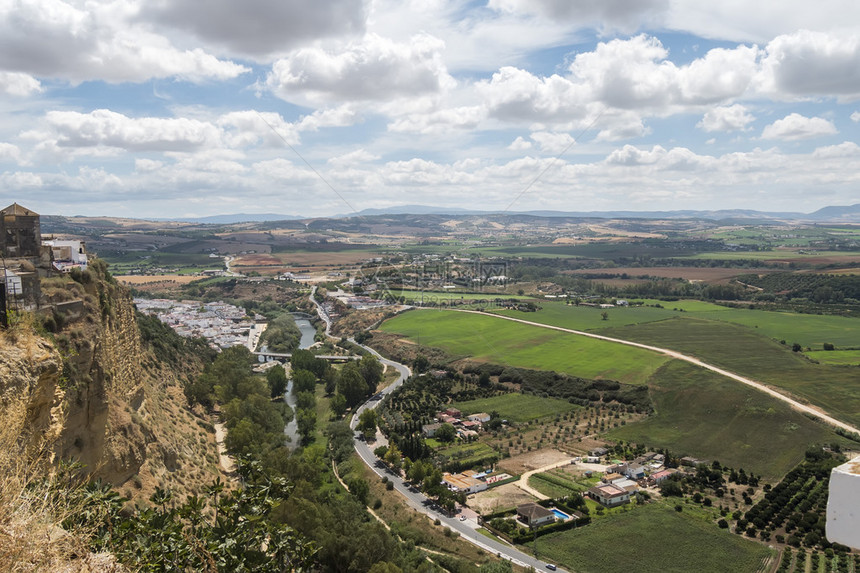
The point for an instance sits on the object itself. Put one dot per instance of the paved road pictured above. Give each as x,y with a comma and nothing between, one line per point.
415,499
419,501
805,408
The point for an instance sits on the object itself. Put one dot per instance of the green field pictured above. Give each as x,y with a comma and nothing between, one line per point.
556,483
836,357
744,351
468,454
517,407
484,299
810,330
489,339
703,414
768,255
653,538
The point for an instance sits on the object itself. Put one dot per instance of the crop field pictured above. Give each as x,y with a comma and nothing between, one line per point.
836,357
517,407
653,538
559,483
468,454
795,256
482,299
489,339
742,350
703,414
810,330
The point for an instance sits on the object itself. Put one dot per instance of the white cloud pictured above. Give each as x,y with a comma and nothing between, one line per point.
439,121
9,152
259,28
855,117
107,128
744,21
520,144
795,127
357,157
553,143
18,84
144,165
624,15
374,69
728,118
97,40
812,63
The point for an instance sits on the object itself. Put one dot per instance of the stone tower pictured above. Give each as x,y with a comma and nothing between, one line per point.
20,234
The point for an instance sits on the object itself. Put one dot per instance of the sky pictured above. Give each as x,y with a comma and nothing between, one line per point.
177,108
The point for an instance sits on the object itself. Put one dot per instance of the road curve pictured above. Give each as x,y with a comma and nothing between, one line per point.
418,501
800,407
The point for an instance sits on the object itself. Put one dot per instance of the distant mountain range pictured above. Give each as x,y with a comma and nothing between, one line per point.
837,214
846,214
233,219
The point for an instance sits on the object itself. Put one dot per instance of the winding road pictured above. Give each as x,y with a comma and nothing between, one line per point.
468,530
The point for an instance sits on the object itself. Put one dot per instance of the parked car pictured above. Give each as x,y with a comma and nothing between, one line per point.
551,567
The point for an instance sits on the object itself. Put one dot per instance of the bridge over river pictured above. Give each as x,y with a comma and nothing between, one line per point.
287,355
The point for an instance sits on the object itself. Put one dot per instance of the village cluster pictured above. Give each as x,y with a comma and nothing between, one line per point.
222,324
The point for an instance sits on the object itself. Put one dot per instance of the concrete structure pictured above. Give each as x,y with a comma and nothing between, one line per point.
429,430
66,255
635,471
660,477
479,417
464,482
20,232
843,505
609,495
534,515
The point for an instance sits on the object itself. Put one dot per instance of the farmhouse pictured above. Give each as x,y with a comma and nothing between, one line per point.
534,515
659,477
463,482
429,430
479,417
611,477
635,471
609,495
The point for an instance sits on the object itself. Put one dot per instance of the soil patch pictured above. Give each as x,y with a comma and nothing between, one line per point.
528,461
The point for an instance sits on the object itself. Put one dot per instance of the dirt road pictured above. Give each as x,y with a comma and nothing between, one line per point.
800,407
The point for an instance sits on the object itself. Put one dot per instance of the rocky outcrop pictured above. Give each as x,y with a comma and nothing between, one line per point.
93,393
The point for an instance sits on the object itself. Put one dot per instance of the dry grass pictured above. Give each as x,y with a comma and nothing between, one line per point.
31,538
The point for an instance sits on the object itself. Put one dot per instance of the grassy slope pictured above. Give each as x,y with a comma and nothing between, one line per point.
706,415
503,342
742,350
739,340
837,357
517,407
808,329
652,538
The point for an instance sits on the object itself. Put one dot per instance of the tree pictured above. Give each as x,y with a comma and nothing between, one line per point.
446,433
277,379
352,385
371,370
330,377
420,364
796,347
307,422
303,381
604,315
367,423
338,405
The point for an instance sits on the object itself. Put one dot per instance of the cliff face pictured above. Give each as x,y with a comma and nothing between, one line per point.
93,393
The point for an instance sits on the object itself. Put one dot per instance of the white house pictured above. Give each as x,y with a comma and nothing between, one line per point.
534,515
67,255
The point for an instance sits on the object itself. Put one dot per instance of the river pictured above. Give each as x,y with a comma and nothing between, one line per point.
307,340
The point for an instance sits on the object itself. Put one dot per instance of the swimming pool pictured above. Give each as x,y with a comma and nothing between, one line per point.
560,514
